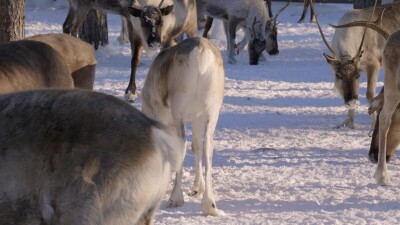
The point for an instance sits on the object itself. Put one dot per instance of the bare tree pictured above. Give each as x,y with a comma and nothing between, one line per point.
12,16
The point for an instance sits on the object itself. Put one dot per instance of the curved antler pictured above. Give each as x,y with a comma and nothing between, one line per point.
279,11
365,31
375,25
322,34
162,1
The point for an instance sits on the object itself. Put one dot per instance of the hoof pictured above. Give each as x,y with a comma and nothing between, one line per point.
232,61
174,204
131,97
382,177
209,208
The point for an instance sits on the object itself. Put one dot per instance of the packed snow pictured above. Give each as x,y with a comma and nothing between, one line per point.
278,158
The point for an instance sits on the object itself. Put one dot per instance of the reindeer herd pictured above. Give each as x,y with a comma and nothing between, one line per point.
74,156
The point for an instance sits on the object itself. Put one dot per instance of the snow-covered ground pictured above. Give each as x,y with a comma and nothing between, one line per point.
278,158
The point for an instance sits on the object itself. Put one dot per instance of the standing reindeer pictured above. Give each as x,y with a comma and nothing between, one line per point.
185,83
355,50
150,25
81,157
389,117
247,13
271,33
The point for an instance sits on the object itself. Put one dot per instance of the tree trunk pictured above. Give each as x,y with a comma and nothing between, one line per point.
94,28
12,17
360,4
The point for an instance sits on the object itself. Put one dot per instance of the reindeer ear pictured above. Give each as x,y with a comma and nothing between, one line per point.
134,11
167,10
330,59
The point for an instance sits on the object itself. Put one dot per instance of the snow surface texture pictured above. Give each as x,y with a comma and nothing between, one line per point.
278,158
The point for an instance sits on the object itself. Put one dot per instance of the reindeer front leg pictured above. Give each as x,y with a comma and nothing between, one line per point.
372,77
137,49
230,31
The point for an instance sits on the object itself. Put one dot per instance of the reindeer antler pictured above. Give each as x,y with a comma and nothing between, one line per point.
254,29
365,31
162,1
279,11
375,25
322,34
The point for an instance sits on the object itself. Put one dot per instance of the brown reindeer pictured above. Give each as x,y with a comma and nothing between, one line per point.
81,157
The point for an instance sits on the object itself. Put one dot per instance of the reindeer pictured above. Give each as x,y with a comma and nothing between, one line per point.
185,83
389,116
249,13
28,64
48,60
271,33
78,54
350,57
81,157
150,25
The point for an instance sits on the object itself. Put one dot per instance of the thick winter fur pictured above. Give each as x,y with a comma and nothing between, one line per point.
185,83
251,14
389,120
81,157
347,67
78,54
170,19
29,64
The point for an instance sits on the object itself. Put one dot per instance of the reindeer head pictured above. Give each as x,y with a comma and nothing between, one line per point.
346,69
151,20
347,77
257,42
271,32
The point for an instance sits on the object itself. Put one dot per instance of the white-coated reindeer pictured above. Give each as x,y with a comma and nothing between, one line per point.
389,119
354,50
271,33
185,83
81,157
252,14
151,24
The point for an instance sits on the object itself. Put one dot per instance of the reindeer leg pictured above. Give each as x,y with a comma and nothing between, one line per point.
197,147
349,121
176,199
372,77
374,147
207,26
303,15
208,202
269,4
230,39
385,118
137,49
312,16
